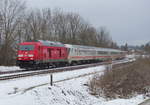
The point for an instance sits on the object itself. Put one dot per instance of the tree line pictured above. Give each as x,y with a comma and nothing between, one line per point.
19,23
146,47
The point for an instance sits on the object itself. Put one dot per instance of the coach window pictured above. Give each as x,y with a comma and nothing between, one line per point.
102,52
79,52
113,52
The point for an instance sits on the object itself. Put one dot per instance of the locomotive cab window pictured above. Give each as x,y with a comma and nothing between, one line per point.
26,47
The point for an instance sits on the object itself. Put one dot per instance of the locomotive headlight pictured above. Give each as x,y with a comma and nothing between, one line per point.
20,55
30,55
19,58
31,58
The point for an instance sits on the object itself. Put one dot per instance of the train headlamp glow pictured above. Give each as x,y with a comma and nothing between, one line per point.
19,58
20,55
31,58
30,55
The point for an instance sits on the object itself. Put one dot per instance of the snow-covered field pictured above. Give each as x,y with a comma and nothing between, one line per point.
9,68
37,91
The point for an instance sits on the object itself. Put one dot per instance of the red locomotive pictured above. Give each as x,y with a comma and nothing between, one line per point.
41,54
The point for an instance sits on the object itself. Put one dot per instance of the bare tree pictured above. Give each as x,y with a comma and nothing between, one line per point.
75,23
33,22
11,15
38,25
147,47
59,25
1,21
87,35
103,38
17,25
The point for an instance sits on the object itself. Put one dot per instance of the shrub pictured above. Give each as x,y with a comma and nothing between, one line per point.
124,82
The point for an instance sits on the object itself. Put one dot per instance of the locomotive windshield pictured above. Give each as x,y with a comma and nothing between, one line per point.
26,47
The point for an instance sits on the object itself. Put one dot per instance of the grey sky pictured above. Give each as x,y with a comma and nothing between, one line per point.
127,20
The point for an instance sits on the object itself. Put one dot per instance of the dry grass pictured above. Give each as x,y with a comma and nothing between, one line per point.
123,83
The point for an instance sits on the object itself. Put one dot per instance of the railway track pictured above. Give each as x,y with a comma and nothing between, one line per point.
33,70
18,74
24,70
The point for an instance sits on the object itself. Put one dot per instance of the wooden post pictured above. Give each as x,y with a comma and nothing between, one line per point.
51,79
110,64
109,67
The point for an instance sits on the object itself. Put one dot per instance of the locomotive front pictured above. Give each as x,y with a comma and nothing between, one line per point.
27,54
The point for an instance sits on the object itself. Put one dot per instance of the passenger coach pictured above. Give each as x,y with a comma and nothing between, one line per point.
85,54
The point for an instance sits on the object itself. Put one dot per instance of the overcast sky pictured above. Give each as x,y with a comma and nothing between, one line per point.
128,21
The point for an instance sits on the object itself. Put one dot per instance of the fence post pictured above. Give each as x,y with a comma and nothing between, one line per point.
51,79
111,64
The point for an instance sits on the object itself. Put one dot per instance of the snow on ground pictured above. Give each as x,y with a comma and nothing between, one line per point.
19,85
9,68
130,56
37,91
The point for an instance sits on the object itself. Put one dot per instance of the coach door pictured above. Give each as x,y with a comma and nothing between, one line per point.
39,52
50,51
59,53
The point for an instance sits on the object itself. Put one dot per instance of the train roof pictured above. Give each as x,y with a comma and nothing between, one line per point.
51,43
92,48
78,46
45,42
